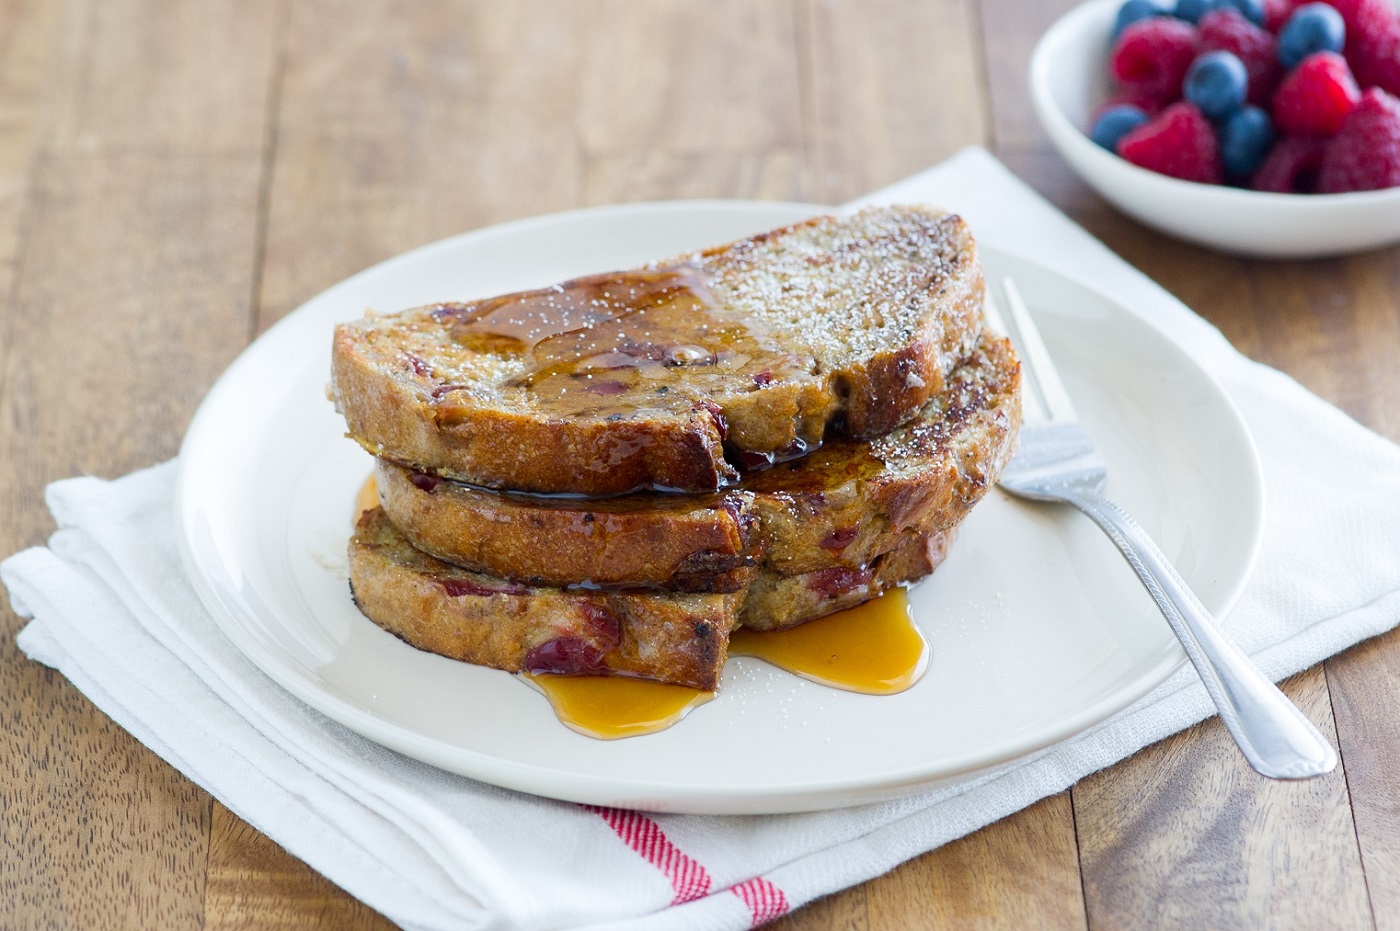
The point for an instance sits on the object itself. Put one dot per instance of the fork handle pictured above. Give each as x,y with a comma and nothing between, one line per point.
1272,733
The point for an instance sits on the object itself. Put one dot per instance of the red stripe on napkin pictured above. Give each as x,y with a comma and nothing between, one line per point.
765,900
688,878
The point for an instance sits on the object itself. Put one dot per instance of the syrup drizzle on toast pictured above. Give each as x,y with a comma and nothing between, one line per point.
612,345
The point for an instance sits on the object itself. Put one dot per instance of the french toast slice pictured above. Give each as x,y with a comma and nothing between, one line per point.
839,506
468,616
675,637
777,602
676,542
649,378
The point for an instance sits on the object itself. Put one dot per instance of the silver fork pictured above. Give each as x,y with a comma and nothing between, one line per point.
1057,462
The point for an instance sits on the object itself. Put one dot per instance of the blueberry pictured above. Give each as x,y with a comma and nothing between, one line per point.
1253,10
1245,140
1216,83
1315,27
1193,10
1135,11
1115,123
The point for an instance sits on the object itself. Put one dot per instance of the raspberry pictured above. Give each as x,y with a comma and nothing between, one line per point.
1276,12
1291,167
1178,142
1365,154
1228,31
1316,96
1375,57
1363,18
1152,55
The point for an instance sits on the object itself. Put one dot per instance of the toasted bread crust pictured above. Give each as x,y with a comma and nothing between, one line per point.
393,414
667,636
873,310
466,616
676,542
842,505
777,602
850,502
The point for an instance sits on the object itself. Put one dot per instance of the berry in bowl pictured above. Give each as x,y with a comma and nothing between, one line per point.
1266,129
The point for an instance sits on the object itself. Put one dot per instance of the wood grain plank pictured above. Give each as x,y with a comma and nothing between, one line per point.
131,284
400,125
112,239
1334,325
99,832
1021,872
253,883
780,174
678,76
174,75
662,116
894,87
29,45
1010,29
1365,688
844,911
1185,835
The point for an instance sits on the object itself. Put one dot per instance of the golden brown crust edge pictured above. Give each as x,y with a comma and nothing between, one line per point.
777,602
680,544
804,530
891,387
465,616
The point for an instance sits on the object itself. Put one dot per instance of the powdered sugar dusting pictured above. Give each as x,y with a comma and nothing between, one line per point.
848,287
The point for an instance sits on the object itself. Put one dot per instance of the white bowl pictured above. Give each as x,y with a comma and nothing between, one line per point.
1069,78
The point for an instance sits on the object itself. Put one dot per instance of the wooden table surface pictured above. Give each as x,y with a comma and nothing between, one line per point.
176,176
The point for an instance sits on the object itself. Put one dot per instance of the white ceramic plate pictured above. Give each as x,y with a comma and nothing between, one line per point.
1038,628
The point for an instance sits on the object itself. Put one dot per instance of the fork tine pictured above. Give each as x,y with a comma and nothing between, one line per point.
1050,391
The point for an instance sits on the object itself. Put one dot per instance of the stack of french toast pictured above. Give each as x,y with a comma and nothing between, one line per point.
609,476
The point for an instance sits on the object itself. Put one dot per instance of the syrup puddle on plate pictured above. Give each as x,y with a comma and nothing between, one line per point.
610,707
874,648
367,499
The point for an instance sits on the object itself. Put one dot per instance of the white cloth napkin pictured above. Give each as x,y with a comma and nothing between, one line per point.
113,612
